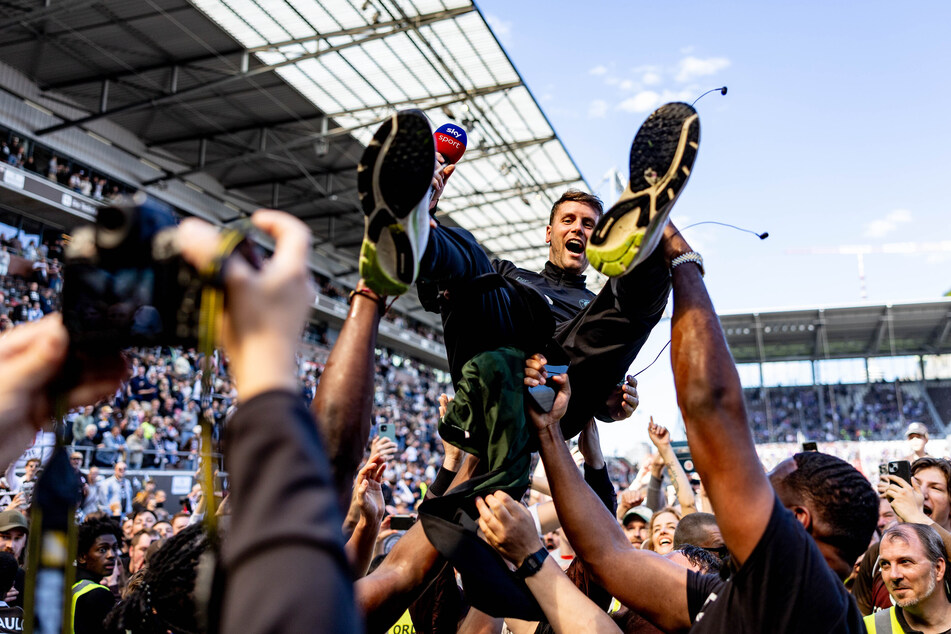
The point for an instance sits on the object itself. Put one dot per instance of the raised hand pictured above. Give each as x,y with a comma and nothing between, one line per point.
508,527
535,374
658,434
368,489
624,399
907,502
383,447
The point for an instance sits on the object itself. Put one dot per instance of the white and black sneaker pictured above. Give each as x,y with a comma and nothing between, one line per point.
394,180
662,156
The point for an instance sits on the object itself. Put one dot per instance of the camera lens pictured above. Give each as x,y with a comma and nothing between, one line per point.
111,218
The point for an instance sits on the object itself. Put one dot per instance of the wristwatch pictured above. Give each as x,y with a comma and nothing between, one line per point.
532,564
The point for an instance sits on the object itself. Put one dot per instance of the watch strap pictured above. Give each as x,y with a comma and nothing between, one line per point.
532,564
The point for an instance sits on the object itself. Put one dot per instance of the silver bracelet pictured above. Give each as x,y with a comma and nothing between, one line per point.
689,256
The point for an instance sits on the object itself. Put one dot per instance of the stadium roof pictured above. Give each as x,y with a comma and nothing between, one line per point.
917,328
270,104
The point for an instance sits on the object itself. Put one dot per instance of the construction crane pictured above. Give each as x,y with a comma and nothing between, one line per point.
861,250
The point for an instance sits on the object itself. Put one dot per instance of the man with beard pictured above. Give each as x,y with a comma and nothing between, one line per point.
914,566
97,549
13,535
922,501
635,523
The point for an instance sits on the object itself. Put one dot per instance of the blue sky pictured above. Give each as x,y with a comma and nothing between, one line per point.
834,132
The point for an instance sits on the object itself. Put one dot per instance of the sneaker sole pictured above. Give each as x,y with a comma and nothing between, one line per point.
393,179
632,228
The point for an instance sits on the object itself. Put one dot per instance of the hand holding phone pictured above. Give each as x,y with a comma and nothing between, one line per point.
387,430
901,469
543,396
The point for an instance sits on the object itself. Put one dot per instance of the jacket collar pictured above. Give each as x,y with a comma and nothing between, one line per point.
558,274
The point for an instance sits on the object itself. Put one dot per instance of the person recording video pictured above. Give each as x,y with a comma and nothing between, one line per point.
277,464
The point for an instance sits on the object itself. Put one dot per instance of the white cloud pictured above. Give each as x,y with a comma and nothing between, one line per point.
501,28
651,78
600,69
626,85
881,227
597,109
641,102
647,100
691,67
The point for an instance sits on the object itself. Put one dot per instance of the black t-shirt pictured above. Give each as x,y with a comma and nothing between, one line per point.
784,586
11,620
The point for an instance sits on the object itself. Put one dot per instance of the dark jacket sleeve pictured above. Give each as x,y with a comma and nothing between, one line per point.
655,500
600,483
283,560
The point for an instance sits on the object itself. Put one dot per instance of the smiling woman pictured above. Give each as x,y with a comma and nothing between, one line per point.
662,526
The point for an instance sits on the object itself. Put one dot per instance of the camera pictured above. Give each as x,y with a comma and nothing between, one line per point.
125,283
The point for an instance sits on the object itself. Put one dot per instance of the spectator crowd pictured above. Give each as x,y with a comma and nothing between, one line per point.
364,491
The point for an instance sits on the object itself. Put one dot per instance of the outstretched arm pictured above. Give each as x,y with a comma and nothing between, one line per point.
711,401
640,579
367,504
661,439
509,529
344,399
388,591
278,467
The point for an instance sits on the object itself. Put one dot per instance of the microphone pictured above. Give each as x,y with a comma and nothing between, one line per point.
722,90
761,236
451,142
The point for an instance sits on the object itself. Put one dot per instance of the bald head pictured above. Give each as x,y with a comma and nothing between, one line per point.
698,529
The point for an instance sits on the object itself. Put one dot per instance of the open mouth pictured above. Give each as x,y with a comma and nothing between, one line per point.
928,511
575,246
665,542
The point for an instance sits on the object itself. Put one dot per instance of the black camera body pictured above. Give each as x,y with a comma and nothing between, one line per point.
125,283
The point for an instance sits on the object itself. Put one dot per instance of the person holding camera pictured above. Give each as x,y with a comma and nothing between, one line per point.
279,471
285,522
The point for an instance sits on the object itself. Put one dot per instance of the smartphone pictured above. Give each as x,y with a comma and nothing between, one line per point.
901,469
402,522
387,430
543,396
810,446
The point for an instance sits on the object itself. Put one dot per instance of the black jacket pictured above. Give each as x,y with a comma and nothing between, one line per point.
565,292
283,559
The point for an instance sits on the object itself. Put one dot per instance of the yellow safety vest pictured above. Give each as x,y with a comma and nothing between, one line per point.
79,589
403,626
883,622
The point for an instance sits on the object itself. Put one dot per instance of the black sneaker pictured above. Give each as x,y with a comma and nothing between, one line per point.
662,156
394,180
